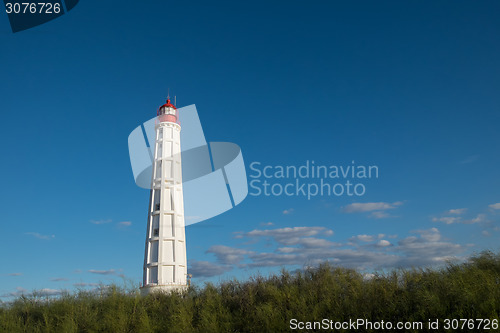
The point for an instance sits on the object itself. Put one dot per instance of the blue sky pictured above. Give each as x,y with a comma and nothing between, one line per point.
411,87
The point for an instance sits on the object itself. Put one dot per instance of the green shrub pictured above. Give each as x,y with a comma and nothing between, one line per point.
468,290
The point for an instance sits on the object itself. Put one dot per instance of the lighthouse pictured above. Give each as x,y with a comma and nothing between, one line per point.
165,262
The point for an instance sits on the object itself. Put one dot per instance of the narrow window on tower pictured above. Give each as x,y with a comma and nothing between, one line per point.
158,169
153,274
158,152
156,202
156,225
153,252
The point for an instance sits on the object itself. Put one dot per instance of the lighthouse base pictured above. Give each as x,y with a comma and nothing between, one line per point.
165,289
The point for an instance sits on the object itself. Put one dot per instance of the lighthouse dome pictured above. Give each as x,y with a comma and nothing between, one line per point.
168,105
167,112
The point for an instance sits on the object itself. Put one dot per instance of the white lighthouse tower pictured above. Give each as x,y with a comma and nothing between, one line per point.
165,262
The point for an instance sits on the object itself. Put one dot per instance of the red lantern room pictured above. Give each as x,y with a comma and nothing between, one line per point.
167,112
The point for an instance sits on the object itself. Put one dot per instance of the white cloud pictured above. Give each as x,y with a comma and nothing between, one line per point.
457,219
379,215
431,235
495,206
15,274
477,219
369,238
427,249
368,276
459,211
287,249
37,293
377,210
206,269
238,234
228,255
288,211
103,272
383,243
101,221
312,242
18,292
40,236
359,258
363,238
266,224
307,246
289,232
84,284
447,219
290,236
47,292
451,219
125,224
